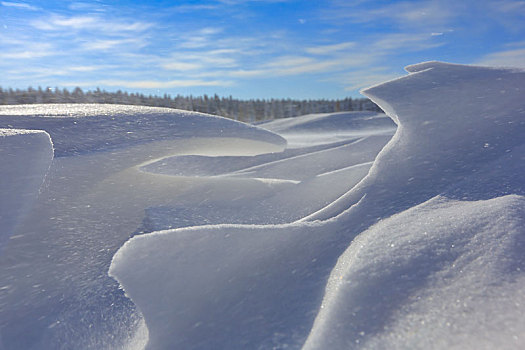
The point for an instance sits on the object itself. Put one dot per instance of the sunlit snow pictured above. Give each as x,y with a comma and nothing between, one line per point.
163,229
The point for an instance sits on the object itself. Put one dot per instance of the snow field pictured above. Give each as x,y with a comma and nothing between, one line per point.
316,232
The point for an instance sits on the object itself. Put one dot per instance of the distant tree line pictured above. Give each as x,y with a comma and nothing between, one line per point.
244,110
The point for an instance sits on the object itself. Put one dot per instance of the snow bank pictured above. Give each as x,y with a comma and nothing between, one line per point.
453,121
249,286
446,274
25,156
54,288
83,128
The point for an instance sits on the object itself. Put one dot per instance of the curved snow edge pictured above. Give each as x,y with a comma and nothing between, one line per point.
26,157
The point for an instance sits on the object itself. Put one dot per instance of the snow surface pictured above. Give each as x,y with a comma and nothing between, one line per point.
54,291
316,232
25,157
425,251
83,128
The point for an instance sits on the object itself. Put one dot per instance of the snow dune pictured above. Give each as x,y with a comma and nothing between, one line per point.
117,173
422,252
83,128
55,292
316,232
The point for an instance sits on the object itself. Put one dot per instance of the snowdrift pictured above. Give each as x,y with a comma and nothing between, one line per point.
25,156
54,291
328,231
424,251
82,128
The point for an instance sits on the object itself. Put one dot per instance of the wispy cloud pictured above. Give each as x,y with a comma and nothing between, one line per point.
111,44
19,5
151,84
88,6
194,8
89,23
510,6
32,51
49,72
295,65
237,2
204,37
201,60
404,13
412,42
329,49
181,66
509,58
90,68
248,44
362,79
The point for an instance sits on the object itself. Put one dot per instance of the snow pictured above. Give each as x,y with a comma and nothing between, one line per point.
446,275
25,156
252,286
55,290
83,128
328,231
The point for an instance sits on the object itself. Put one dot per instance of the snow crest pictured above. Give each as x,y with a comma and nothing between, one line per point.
83,128
420,253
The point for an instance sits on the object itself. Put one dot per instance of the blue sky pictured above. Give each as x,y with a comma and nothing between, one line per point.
248,48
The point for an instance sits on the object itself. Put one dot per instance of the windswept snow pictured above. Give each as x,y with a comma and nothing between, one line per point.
446,274
316,232
25,157
328,128
55,291
415,246
83,128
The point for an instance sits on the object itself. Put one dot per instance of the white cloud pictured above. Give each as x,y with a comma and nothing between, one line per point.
192,8
296,65
289,61
157,84
87,7
91,23
210,31
329,49
237,2
413,42
204,60
181,66
86,68
29,52
110,44
204,37
405,13
148,84
509,58
19,5
360,80
510,6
